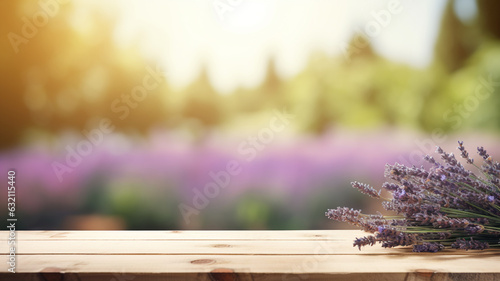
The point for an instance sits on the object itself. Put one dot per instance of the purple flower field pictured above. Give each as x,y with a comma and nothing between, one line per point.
282,187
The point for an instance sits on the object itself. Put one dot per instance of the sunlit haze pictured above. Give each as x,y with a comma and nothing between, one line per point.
235,44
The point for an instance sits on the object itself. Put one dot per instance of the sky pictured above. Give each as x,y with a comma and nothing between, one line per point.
234,39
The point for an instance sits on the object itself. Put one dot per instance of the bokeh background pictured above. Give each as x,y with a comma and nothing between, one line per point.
304,96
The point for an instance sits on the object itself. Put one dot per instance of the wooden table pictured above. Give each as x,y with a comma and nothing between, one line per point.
230,255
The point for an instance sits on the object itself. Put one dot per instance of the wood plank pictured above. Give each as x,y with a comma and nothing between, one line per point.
232,255
417,276
187,235
210,247
288,264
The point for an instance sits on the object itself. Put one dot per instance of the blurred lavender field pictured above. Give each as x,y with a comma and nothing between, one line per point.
288,185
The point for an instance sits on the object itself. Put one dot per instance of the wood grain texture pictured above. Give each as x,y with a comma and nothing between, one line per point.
231,255
187,235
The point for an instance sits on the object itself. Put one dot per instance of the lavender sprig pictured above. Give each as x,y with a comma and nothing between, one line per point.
444,206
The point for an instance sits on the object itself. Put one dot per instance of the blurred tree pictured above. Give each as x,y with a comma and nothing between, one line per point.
15,115
453,45
65,74
321,121
359,47
202,102
466,51
488,17
271,93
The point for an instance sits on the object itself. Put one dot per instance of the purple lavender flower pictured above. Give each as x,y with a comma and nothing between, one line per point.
428,247
399,193
363,241
366,189
344,214
474,229
472,244
464,153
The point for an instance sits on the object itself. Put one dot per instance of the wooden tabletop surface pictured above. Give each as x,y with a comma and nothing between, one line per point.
230,255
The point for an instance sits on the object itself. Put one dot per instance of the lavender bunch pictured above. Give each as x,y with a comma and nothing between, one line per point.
444,206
